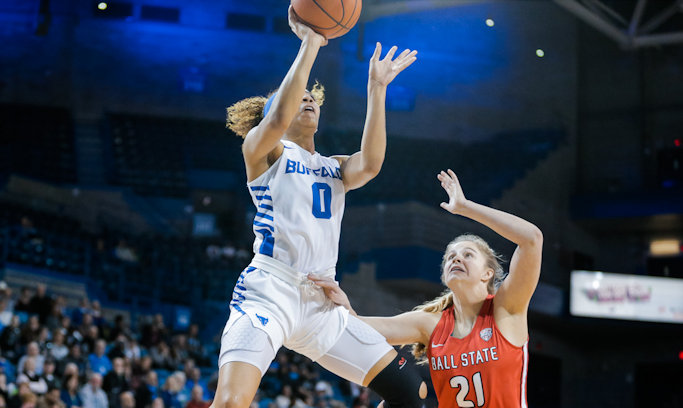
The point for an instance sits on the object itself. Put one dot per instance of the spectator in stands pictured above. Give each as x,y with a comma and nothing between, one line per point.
92,394
323,390
70,369
56,348
82,310
51,399
120,327
194,379
194,345
33,352
97,360
31,330
23,302
7,371
4,388
27,398
132,349
184,393
126,400
90,337
67,330
10,339
188,366
285,398
28,374
75,357
49,368
6,293
117,348
162,357
363,399
43,339
197,398
54,318
154,332
141,368
15,399
170,390
41,303
179,349
158,402
6,312
290,398
69,394
97,316
147,391
115,382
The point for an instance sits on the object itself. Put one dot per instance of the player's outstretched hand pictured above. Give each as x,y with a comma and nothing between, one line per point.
332,291
383,71
456,198
302,30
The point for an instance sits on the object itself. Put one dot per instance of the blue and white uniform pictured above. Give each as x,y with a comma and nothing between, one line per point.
300,203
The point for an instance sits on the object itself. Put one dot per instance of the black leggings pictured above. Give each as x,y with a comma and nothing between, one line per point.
399,384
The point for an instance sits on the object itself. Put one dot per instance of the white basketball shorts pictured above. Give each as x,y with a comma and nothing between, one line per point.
293,312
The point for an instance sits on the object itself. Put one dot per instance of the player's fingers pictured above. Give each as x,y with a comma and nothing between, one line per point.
323,282
378,51
403,54
390,54
405,63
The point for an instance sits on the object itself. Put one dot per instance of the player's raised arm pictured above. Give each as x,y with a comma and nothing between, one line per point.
525,267
265,137
365,164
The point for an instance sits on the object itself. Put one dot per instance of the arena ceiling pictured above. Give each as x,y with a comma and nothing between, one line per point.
631,23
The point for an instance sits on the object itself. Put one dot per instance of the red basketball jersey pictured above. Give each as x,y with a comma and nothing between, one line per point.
481,370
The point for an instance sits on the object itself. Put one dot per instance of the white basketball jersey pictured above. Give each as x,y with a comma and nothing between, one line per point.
299,207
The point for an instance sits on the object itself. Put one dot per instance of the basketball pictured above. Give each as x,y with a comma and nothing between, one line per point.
331,18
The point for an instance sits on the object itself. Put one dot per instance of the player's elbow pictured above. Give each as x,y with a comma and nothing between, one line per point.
535,236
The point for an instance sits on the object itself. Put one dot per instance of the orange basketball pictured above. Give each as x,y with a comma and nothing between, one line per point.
331,18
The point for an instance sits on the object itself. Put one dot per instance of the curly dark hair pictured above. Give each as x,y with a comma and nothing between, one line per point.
246,114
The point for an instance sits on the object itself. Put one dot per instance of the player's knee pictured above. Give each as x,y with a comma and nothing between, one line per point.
400,385
232,400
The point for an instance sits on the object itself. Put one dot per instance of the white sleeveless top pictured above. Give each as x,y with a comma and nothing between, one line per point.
299,207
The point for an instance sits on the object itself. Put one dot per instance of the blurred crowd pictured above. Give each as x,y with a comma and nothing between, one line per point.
53,356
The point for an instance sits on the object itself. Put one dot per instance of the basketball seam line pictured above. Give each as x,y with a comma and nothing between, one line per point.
339,23
355,4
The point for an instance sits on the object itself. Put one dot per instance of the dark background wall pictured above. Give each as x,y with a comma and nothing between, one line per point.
581,142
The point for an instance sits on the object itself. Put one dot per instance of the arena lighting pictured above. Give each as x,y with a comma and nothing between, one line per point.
540,53
664,247
490,22
102,6
680,355
677,142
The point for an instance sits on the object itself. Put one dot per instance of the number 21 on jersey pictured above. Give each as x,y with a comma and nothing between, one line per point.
322,200
463,383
